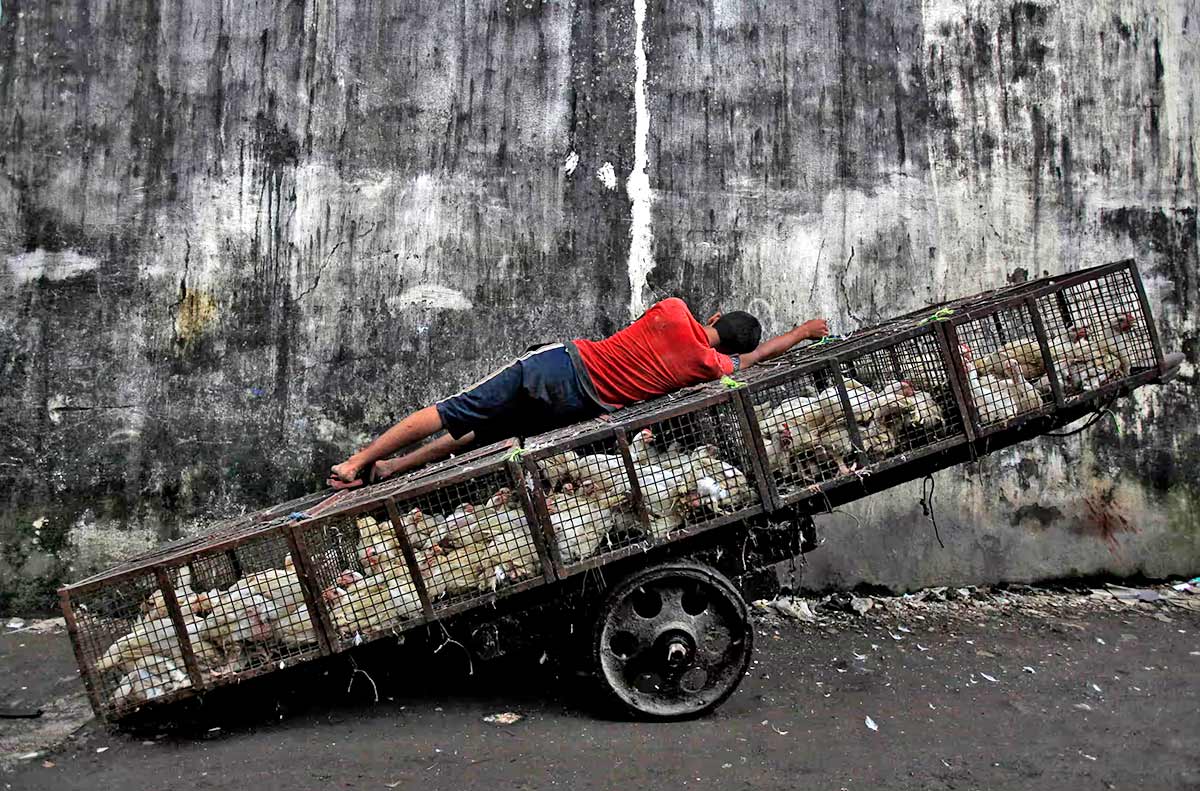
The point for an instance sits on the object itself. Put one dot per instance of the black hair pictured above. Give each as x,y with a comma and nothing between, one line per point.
739,332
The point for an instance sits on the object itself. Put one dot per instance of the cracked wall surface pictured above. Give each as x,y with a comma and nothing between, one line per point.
238,239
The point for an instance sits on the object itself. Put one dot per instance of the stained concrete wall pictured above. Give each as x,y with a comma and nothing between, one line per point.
236,239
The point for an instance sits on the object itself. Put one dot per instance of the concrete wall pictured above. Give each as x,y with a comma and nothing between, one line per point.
236,239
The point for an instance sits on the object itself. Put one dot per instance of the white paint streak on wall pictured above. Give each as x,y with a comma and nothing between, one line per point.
641,248
571,163
24,267
430,296
607,176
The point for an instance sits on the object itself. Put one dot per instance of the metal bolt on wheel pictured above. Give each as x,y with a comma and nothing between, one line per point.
672,641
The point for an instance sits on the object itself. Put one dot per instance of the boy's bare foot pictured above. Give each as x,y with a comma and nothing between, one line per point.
385,469
344,476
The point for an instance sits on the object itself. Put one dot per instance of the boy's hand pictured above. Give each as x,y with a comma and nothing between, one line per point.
815,328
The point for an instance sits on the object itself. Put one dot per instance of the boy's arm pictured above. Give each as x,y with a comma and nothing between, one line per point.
809,330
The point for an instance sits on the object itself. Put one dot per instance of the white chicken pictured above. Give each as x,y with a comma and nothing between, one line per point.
151,677
424,530
295,630
279,586
511,557
377,544
388,596
999,399
581,518
248,617
190,602
157,637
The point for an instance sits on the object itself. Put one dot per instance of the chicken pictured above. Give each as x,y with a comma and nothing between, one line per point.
511,557
279,586
877,439
1065,350
152,676
640,447
996,398
245,616
778,450
1099,357
377,544
386,597
295,630
190,602
157,637
802,411
581,520
424,530
719,486
835,446
923,411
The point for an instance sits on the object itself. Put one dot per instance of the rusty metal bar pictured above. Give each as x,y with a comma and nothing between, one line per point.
635,486
835,373
1000,333
410,557
537,496
1039,329
306,554
1147,316
303,571
948,340
181,632
758,455
536,530
85,667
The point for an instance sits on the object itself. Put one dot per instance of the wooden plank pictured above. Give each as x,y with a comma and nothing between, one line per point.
1039,329
536,529
303,568
410,557
86,673
181,632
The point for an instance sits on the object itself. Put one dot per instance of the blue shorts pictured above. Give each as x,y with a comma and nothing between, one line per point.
539,391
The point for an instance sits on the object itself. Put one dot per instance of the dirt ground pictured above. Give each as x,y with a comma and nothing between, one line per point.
1054,691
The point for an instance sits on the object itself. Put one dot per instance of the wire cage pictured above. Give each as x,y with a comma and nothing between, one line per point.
648,474
439,541
878,398
1098,329
1056,342
196,620
1003,365
128,649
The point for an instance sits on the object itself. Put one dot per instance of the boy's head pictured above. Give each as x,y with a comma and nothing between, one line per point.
738,332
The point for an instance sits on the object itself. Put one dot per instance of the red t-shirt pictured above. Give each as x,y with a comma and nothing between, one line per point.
664,350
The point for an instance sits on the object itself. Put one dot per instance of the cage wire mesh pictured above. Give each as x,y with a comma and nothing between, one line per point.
694,466
1097,331
470,538
688,469
901,396
127,642
588,497
254,612
1003,363
899,393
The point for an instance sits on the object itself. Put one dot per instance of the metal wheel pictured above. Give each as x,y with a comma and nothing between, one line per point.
672,641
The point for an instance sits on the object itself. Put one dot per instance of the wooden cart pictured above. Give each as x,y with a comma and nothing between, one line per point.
645,493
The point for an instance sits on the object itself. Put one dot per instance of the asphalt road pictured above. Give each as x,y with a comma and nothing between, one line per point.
1014,696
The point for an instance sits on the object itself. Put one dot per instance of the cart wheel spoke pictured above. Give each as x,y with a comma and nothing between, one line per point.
674,641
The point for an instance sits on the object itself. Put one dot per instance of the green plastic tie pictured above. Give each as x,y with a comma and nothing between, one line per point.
942,315
732,383
515,454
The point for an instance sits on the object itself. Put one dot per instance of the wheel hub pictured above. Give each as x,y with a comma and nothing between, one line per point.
674,641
